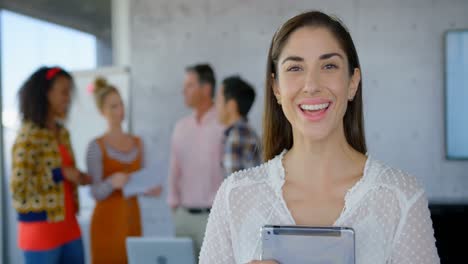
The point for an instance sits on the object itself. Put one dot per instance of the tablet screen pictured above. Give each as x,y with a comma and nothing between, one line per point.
292,244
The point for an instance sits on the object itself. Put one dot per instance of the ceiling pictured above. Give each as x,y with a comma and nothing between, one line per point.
91,16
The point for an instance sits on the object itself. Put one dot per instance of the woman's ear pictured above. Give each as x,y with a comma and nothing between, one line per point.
274,85
354,84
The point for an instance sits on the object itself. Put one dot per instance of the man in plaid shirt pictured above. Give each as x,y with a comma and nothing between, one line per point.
241,143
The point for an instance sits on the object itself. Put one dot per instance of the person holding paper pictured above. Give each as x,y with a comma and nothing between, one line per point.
112,159
318,172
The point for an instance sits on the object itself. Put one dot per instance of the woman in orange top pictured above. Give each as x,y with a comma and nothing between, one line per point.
112,158
44,179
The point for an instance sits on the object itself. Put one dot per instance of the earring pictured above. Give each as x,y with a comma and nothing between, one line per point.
279,101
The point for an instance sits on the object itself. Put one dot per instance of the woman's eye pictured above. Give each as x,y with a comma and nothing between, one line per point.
294,68
330,66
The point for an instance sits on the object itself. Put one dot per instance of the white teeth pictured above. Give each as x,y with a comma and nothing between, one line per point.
314,107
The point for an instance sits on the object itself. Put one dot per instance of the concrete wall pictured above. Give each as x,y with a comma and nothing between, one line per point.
401,50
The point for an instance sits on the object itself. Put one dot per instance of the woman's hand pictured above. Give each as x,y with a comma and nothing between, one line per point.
71,174
154,192
118,180
85,179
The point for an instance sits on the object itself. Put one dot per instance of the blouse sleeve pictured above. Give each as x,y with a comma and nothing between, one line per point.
414,241
217,245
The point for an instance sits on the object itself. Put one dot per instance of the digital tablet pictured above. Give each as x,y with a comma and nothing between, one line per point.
314,245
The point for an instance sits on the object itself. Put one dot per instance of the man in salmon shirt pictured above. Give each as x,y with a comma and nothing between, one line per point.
195,172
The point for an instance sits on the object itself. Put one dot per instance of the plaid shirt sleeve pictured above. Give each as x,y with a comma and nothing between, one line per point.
240,150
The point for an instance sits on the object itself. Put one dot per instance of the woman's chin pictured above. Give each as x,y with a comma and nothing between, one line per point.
316,133
116,122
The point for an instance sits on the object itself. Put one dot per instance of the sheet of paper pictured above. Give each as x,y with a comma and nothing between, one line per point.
141,181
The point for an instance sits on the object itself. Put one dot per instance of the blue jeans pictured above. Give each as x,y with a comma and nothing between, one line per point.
70,253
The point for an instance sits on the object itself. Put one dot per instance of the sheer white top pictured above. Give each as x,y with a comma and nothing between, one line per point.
387,208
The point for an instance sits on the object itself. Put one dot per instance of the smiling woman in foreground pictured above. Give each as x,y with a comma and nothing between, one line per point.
318,173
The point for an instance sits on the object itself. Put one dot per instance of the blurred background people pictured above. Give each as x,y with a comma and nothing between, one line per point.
195,163
44,177
111,160
240,143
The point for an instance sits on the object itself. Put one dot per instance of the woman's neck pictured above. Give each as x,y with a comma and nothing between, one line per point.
115,130
51,123
323,162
